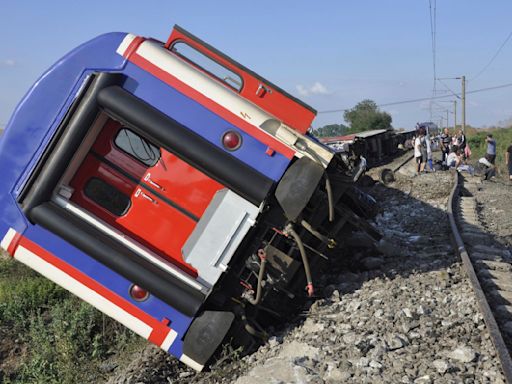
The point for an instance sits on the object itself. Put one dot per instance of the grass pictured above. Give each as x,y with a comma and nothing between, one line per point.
49,336
503,137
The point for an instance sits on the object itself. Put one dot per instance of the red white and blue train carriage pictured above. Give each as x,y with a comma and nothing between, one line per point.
173,189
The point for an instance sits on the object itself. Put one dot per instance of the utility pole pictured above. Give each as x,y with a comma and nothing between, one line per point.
455,114
464,104
447,112
463,78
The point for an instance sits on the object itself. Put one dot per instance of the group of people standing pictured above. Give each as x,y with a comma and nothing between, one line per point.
489,159
455,152
455,149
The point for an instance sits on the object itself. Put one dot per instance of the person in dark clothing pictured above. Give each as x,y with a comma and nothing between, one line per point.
445,144
508,161
490,155
461,140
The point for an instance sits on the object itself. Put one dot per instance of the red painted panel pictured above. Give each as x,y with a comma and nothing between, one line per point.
171,177
153,223
164,198
274,101
234,119
182,183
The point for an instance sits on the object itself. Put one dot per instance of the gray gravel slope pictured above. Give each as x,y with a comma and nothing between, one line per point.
408,316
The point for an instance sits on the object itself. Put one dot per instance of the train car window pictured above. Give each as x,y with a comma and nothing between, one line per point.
107,196
137,147
208,65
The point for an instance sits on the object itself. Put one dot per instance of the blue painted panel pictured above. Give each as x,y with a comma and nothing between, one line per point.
201,120
41,110
106,277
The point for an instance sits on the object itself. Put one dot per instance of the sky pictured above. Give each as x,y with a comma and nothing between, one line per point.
331,54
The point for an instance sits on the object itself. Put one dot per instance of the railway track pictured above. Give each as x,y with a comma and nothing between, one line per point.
399,320
487,264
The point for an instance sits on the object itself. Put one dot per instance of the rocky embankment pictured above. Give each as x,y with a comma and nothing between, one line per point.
408,316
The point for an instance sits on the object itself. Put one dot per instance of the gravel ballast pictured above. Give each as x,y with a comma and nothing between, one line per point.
406,316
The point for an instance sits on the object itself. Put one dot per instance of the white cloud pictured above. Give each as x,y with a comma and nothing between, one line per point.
8,63
302,90
319,89
316,89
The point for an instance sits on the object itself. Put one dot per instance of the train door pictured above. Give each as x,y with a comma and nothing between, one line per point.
142,190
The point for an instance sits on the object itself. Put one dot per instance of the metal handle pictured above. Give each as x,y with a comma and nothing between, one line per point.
262,89
148,179
140,193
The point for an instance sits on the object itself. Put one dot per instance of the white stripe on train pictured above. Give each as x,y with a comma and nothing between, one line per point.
125,44
166,61
90,296
6,241
191,363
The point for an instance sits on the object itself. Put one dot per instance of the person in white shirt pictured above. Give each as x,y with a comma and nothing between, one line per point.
453,160
420,151
417,153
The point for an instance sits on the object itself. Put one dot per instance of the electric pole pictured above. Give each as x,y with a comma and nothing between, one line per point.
463,98
455,114
447,112
464,104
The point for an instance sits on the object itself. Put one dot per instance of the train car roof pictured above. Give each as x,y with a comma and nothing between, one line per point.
334,139
407,131
361,135
374,132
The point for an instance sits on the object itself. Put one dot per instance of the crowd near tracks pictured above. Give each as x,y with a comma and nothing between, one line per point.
488,266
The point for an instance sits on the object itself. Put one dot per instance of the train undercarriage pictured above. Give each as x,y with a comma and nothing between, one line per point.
279,266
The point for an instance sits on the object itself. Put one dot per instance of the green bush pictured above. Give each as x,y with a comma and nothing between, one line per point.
503,137
66,339
23,293
69,343
65,343
477,141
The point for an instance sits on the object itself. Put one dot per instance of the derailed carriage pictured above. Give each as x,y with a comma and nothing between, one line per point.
175,190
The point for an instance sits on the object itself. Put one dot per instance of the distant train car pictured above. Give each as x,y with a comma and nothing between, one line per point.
173,189
431,128
376,146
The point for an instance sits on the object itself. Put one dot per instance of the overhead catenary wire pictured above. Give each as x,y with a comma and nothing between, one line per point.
448,88
441,107
506,85
433,27
493,57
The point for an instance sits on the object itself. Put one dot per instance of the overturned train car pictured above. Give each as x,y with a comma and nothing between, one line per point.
175,190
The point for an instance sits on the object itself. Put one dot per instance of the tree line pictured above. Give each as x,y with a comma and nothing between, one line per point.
365,116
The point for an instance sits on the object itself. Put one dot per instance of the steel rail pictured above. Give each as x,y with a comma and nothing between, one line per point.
409,158
490,320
